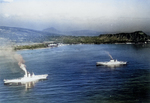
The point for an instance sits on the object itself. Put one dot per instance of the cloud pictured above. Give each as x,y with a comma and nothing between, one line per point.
6,1
6,15
86,14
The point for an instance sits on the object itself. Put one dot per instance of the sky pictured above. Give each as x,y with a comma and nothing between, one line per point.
66,15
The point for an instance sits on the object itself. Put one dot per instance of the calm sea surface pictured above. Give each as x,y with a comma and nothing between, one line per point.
75,78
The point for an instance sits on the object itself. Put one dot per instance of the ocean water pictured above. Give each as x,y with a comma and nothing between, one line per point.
75,78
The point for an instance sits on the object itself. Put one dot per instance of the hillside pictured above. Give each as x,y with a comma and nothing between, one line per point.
19,35
51,30
135,37
22,35
72,33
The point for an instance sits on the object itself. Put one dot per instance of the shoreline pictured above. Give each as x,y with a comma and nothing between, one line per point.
137,37
58,45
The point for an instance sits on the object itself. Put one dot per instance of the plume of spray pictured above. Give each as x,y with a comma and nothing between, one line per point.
7,51
21,62
109,55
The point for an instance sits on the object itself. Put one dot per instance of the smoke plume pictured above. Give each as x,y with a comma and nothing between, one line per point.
7,53
21,62
109,55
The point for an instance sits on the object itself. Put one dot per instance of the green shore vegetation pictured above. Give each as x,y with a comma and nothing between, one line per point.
134,37
33,46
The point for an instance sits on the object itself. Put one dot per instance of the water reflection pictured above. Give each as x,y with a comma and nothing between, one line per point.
27,85
78,80
30,85
112,66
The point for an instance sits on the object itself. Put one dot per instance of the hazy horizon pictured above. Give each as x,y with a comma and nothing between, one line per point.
97,15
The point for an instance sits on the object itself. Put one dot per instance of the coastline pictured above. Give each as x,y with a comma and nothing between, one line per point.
137,37
58,45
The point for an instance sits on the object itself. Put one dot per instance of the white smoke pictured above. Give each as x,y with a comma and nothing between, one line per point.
7,52
23,67
109,55
21,62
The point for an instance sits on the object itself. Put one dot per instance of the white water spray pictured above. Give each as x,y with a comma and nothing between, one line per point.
109,55
23,67
21,62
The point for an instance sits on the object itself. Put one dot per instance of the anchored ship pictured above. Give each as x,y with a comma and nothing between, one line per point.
27,77
112,62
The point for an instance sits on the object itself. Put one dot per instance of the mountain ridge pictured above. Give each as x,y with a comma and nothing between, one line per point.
22,35
17,34
72,32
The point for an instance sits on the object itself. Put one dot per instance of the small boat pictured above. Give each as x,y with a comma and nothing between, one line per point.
26,79
111,63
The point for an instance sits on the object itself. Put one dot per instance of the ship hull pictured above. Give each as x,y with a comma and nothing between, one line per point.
26,79
110,63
